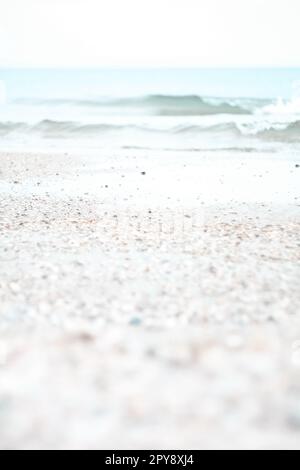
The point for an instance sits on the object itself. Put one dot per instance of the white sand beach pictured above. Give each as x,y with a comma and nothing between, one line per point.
149,226
149,303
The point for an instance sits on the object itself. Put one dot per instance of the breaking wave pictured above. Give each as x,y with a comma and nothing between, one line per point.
286,133
65,129
176,105
282,107
160,105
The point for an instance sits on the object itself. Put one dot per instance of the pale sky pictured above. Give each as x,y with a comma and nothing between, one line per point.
97,33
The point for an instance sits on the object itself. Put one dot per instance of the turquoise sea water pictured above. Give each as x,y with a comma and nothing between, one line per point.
151,108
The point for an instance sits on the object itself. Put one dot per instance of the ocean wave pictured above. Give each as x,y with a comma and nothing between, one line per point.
282,107
159,105
49,128
179,105
287,133
60,129
189,105
11,127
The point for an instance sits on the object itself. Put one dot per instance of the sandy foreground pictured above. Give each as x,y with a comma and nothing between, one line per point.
149,302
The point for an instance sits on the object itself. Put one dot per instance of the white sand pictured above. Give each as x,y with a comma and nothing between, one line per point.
156,310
